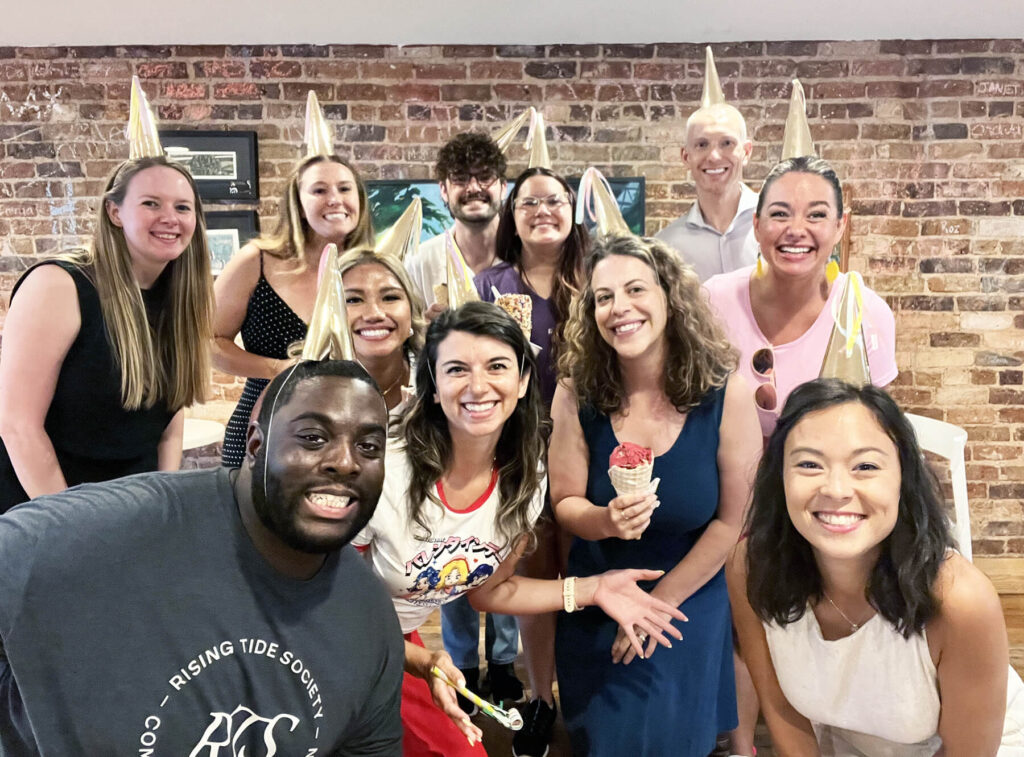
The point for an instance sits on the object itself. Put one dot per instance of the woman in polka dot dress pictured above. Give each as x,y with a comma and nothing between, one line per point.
266,292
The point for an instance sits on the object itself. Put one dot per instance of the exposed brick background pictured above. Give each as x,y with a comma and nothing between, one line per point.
927,135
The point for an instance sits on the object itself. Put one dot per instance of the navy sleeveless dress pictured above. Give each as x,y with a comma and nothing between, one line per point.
269,327
676,702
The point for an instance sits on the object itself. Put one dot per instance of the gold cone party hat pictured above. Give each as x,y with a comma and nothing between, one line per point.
846,356
713,94
537,143
403,238
143,139
796,141
329,337
595,191
318,133
460,276
504,136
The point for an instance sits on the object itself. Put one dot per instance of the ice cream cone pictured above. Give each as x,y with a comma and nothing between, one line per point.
631,480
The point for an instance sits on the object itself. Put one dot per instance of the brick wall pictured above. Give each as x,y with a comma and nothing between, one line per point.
927,135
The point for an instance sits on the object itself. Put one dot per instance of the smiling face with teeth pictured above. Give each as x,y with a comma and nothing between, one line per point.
317,476
379,312
630,307
329,196
542,228
842,478
716,149
798,225
158,218
478,385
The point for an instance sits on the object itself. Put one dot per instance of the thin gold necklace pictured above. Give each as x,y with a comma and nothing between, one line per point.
401,377
853,626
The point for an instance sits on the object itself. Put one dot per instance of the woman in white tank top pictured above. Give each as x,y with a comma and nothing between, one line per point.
866,633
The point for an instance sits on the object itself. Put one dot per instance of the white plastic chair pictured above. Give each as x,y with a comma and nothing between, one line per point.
948,441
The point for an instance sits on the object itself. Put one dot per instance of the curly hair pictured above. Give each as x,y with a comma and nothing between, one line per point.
288,238
365,255
520,452
782,575
509,247
699,358
471,150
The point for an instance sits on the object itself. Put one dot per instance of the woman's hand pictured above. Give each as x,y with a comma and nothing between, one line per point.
634,609
629,515
622,648
445,698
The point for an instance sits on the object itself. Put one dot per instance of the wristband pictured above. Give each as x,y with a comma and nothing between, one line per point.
569,594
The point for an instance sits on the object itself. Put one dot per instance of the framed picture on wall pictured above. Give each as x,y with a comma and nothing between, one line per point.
389,198
223,163
226,232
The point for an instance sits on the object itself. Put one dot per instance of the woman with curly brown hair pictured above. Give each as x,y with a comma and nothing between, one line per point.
464,487
644,361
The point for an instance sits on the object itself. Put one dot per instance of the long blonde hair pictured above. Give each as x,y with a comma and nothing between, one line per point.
170,360
291,232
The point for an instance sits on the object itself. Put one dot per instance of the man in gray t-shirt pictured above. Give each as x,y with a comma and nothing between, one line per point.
214,612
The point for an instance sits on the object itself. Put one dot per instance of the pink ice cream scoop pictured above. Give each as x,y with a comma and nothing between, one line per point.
629,455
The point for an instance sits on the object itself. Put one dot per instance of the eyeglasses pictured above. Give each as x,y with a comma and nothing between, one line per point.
766,396
483,178
532,204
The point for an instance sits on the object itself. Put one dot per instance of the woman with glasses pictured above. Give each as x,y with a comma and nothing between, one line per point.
779,312
267,290
865,632
542,249
645,362
465,484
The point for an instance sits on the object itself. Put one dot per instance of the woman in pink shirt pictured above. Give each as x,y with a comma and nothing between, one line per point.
779,314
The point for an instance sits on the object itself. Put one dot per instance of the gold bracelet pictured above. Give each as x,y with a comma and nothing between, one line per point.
569,594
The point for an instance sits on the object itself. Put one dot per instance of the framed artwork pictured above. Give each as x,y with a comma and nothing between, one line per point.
226,232
389,198
223,163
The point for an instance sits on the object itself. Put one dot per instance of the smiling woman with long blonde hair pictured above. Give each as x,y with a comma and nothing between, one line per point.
103,349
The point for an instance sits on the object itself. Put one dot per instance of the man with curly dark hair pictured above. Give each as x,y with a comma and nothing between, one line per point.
470,172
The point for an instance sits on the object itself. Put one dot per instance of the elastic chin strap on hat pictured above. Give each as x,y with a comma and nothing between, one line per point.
270,423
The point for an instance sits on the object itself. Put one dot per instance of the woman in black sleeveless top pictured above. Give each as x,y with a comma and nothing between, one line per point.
103,349
268,288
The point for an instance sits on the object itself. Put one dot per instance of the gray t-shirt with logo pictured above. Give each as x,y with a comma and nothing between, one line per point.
137,617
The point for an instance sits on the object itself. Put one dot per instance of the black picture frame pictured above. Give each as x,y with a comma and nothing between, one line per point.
224,164
388,198
226,232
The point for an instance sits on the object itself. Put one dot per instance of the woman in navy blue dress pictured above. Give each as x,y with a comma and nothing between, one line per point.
645,362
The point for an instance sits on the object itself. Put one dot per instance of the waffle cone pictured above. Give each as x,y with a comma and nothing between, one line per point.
631,480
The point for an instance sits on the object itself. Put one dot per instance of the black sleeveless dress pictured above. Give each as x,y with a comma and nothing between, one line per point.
269,327
95,438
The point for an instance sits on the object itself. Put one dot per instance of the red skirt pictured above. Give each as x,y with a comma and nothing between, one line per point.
428,731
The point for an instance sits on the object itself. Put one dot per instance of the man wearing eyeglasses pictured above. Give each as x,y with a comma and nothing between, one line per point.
470,172
716,235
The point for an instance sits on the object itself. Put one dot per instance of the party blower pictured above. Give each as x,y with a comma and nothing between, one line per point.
511,719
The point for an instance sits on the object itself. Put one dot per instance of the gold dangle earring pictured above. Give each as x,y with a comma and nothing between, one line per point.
759,269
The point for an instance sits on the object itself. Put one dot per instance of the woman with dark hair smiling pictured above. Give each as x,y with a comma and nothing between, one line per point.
865,632
464,486
779,313
543,249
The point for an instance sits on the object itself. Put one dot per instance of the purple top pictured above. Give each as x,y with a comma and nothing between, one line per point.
507,280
